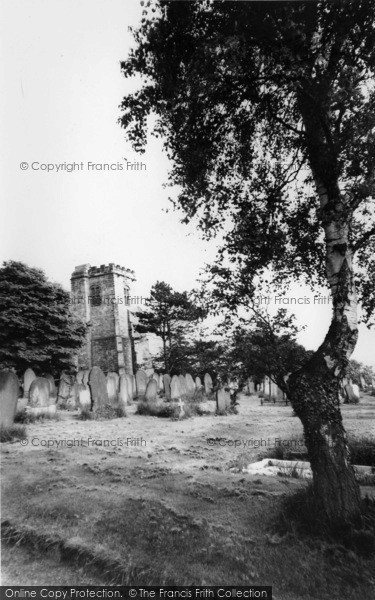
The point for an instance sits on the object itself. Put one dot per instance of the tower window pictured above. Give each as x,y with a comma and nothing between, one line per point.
95,295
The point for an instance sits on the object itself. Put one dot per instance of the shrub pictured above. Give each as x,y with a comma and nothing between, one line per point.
12,432
26,417
103,414
155,409
362,451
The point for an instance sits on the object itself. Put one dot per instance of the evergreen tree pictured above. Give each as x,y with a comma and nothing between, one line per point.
37,328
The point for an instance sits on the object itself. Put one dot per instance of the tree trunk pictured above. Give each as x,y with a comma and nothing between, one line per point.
314,390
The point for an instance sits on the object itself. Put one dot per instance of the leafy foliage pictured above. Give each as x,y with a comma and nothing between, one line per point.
255,100
37,328
172,316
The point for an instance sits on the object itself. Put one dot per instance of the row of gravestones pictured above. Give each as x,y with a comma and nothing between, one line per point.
38,394
90,390
173,388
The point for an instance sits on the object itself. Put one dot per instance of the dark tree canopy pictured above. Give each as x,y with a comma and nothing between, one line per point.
267,111
255,101
37,328
171,315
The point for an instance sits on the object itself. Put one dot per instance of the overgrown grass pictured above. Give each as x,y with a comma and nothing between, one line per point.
300,516
362,450
170,410
12,433
103,414
26,417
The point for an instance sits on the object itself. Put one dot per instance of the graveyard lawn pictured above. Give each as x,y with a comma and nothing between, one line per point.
172,507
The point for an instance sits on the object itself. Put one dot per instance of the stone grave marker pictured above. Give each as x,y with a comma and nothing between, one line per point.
208,385
175,388
183,386
112,385
141,380
53,390
167,386
84,398
40,401
28,378
151,390
9,392
98,388
190,385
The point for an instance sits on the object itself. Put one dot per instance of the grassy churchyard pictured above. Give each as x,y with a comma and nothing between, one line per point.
143,500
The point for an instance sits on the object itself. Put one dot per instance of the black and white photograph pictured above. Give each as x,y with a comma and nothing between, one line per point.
187,299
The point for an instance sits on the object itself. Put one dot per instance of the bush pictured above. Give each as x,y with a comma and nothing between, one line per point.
103,414
12,433
362,451
26,417
156,409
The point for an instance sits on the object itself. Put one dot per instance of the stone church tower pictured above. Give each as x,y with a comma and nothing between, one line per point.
100,299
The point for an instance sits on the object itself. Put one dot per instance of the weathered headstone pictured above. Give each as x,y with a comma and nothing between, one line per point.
85,378
125,393
142,380
28,378
356,390
208,385
167,386
183,386
222,399
156,377
175,388
84,398
350,396
130,390
79,377
112,384
40,401
198,383
363,383
65,389
161,384
115,377
151,390
181,407
98,388
9,391
53,390
72,402
190,385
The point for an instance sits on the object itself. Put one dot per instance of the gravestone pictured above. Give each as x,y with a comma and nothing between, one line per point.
156,377
151,390
115,377
356,390
141,380
28,378
85,378
9,391
190,385
65,388
112,384
363,383
40,401
208,385
53,390
198,383
251,386
175,388
72,403
167,386
222,399
84,398
350,396
130,388
161,384
125,393
79,377
98,388
183,386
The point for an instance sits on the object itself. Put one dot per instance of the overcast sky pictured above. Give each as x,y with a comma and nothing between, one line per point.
61,75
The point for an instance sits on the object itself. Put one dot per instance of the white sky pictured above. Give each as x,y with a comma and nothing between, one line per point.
62,83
